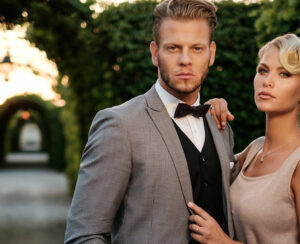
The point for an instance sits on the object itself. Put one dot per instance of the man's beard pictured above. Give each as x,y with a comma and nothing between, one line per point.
166,79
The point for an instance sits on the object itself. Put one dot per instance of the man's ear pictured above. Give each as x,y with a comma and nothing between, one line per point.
154,53
212,53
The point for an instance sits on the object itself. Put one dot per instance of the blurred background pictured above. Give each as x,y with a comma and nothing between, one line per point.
63,60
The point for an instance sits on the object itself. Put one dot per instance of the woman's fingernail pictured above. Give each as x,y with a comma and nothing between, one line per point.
190,204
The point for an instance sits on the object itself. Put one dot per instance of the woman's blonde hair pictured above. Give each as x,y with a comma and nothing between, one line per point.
289,54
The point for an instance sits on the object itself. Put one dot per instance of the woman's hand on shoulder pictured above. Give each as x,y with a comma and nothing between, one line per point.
220,112
205,229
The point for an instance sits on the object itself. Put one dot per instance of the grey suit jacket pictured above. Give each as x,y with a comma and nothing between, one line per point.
134,181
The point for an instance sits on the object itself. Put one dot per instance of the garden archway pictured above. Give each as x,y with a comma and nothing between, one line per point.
50,125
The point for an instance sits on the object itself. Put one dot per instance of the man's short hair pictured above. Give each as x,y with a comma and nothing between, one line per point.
185,10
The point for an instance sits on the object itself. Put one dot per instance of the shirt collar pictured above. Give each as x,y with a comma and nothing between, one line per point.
169,100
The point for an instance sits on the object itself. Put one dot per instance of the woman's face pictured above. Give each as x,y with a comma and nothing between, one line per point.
276,90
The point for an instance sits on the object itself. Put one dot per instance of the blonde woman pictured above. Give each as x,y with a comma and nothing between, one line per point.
265,196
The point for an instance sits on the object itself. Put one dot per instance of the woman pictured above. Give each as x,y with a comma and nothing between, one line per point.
265,197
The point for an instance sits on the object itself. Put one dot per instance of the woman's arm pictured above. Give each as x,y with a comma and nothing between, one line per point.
295,188
205,229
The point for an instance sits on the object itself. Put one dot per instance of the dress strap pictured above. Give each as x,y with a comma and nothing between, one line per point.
290,164
256,146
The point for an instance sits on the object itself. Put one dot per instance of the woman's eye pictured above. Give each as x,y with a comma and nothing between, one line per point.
285,74
261,71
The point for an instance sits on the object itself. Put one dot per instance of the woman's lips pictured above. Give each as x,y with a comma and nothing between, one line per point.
265,95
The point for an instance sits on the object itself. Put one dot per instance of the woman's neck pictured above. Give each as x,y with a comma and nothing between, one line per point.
281,129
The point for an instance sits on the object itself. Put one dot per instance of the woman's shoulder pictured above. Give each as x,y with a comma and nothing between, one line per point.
295,157
258,141
251,149
297,153
255,145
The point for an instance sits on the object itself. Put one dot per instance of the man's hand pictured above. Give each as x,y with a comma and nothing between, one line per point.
219,110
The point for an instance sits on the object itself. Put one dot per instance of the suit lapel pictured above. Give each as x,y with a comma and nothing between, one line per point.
225,166
221,149
164,125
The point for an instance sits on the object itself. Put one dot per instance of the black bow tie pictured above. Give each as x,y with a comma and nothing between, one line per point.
185,109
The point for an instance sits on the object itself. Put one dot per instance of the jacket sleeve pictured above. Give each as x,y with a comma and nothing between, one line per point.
235,169
102,181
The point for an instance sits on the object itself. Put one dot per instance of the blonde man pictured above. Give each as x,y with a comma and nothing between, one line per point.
147,158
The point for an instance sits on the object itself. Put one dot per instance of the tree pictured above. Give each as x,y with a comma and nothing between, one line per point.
276,18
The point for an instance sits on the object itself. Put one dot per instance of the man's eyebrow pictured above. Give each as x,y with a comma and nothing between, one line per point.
199,44
171,43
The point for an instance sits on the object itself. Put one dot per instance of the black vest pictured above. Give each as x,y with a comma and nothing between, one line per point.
206,176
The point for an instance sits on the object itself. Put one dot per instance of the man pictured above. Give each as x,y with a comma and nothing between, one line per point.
143,161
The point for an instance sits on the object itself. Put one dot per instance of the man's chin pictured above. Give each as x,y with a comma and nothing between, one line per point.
184,90
182,86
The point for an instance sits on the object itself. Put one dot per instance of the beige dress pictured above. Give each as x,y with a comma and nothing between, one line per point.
262,208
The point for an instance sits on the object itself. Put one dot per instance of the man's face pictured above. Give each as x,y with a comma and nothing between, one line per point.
183,56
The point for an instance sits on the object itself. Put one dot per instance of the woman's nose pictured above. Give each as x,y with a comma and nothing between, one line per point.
269,80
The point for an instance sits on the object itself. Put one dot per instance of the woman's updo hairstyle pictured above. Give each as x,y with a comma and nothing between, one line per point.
289,52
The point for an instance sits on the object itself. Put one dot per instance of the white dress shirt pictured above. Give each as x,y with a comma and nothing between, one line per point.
191,126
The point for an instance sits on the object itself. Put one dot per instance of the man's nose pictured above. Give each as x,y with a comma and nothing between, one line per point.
185,58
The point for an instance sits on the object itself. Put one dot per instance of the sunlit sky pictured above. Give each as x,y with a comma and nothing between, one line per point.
23,80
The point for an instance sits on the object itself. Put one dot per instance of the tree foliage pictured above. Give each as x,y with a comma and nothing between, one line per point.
277,17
